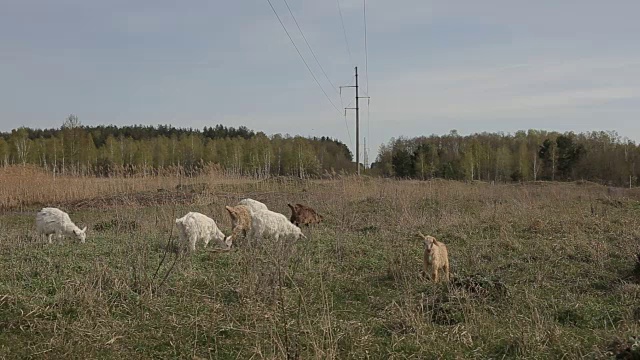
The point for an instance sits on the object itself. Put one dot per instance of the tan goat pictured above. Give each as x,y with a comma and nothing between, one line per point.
436,257
240,221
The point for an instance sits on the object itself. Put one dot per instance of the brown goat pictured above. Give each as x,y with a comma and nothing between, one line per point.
301,214
436,257
240,220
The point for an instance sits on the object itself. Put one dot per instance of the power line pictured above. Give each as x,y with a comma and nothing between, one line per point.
368,121
350,82
309,46
344,32
302,57
307,65
346,124
366,55
366,66
348,132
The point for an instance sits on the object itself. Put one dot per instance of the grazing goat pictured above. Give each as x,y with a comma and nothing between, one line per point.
269,224
240,221
436,257
301,214
51,221
195,226
253,205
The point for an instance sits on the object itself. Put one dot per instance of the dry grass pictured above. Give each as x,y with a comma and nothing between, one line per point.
539,271
27,186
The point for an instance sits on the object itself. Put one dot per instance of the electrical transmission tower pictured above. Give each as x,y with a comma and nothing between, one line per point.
357,109
366,154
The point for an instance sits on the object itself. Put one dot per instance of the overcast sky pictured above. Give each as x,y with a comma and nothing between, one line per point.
433,65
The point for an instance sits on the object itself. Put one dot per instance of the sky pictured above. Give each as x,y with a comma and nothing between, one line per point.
432,66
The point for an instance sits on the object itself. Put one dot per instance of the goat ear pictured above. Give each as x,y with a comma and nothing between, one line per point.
291,206
84,229
229,209
422,235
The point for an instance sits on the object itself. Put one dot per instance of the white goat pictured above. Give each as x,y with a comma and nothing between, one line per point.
195,226
253,205
51,221
270,224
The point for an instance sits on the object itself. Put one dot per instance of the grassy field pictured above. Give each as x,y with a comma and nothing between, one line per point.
540,271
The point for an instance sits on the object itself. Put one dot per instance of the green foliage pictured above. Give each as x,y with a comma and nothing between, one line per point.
569,153
402,163
524,156
130,150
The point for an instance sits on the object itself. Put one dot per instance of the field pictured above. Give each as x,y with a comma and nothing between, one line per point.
544,270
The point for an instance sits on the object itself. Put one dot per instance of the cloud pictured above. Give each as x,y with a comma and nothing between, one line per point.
578,94
509,89
433,65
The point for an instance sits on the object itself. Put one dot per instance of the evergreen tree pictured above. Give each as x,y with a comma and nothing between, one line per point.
569,153
402,163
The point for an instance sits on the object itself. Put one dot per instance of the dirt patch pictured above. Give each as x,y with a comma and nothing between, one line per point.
116,225
482,286
163,197
141,199
628,350
192,188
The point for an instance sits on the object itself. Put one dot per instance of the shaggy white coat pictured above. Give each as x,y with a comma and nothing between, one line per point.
270,224
195,226
50,221
253,205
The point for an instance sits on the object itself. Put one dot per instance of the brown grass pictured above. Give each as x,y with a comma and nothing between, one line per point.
538,271
27,186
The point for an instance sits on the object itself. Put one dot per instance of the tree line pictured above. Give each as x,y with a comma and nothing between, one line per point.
145,150
599,156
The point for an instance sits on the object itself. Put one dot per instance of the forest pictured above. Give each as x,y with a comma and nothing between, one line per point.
599,156
145,150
